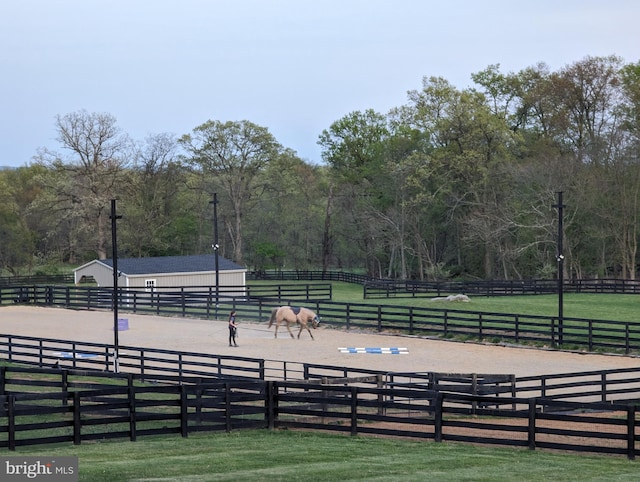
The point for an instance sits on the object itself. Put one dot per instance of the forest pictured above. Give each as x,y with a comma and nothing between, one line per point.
454,184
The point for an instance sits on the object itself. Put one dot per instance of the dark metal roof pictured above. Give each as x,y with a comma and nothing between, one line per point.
172,264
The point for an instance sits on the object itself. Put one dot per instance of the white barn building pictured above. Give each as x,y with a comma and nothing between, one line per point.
164,272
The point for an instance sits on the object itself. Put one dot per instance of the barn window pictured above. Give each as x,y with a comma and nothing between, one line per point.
149,284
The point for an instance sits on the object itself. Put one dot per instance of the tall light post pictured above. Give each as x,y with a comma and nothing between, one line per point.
216,247
560,259
114,243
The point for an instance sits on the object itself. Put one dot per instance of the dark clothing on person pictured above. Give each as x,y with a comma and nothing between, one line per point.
233,329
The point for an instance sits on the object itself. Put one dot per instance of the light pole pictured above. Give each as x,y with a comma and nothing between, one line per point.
560,259
114,241
216,247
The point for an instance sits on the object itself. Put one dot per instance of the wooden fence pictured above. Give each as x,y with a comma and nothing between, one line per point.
575,333
382,287
79,407
164,299
151,364
402,288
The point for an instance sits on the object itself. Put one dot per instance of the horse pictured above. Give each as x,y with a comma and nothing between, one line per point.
289,315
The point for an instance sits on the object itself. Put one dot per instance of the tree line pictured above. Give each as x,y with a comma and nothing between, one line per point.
456,183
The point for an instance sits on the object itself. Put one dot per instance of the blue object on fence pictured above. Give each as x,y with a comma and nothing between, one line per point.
70,354
376,350
123,324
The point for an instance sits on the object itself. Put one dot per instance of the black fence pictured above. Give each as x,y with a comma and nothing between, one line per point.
382,287
574,333
164,299
393,288
153,365
70,406
36,279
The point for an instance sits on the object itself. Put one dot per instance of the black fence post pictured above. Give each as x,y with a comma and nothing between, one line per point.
11,421
627,347
354,410
227,406
77,421
131,392
445,328
184,411
348,314
64,382
437,417
631,424
531,428
270,393
411,321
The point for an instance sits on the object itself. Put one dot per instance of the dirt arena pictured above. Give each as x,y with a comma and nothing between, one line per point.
256,340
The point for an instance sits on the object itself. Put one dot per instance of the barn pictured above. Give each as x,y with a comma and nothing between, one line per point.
156,273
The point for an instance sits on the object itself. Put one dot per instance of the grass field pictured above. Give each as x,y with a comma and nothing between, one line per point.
611,307
301,456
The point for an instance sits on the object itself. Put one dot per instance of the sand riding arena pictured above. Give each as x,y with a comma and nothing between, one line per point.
257,341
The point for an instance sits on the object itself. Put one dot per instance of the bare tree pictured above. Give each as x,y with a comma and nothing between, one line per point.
83,183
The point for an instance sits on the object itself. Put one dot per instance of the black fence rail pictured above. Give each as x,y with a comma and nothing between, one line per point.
399,288
574,333
311,275
153,365
605,386
146,363
381,287
129,411
442,416
125,408
164,298
36,279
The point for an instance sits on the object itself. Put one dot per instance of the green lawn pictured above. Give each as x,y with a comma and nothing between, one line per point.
300,456
611,307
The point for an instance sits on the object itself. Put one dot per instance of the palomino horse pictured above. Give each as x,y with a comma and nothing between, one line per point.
289,315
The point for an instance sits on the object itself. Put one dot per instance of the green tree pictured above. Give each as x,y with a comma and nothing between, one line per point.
288,218
353,147
233,154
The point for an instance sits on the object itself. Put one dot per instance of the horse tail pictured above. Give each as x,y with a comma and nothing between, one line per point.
273,316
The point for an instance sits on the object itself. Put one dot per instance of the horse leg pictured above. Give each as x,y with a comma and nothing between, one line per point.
289,328
275,335
304,326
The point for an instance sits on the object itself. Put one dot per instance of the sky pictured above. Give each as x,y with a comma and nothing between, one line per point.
292,66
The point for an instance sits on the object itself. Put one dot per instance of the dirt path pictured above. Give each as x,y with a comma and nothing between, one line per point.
257,341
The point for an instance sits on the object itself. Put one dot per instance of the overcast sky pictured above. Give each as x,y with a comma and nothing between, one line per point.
292,66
